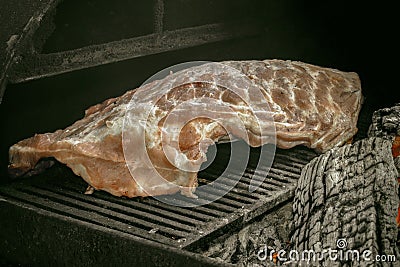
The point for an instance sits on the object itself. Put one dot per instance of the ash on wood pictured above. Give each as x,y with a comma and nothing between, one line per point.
386,122
271,233
348,193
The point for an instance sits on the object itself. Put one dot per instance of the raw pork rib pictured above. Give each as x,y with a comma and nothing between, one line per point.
310,105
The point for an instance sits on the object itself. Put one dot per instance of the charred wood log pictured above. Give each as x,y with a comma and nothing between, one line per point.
348,194
386,124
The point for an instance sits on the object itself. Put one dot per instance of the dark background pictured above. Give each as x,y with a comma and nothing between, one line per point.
345,35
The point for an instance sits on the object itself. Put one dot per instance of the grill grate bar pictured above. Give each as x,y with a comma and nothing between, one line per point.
294,161
280,176
287,174
225,203
240,191
246,178
156,207
190,219
294,170
242,187
244,181
234,196
217,205
87,215
237,192
304,154
277,177
109,213
166,221
269,182
198,213
201,212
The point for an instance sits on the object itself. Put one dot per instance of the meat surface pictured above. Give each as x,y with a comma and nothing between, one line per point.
115,143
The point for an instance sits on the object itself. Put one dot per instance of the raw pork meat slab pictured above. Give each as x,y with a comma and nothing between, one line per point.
310,105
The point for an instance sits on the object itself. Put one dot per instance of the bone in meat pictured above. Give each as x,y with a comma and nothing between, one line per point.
313,106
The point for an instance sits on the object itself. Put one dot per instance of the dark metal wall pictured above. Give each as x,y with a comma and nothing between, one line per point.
97,22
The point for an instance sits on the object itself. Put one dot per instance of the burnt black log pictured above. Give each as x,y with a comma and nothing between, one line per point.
346,200
386,123
255,244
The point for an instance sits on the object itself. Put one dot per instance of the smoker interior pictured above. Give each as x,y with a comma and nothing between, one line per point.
40,212
48,219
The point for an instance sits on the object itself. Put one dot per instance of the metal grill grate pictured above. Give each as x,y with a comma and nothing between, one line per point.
59,191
